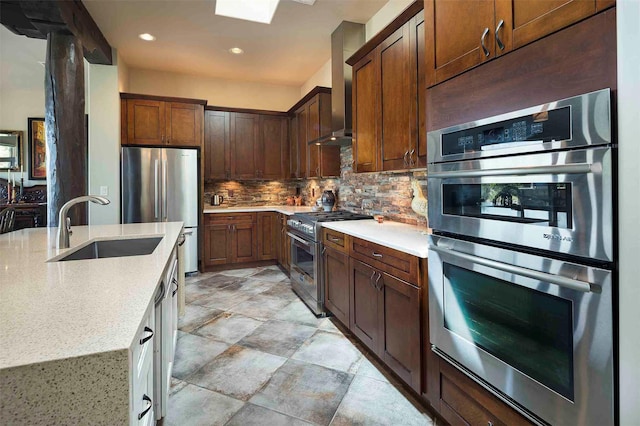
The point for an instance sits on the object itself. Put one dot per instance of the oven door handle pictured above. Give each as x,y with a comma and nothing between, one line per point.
517,270
569,169
300,240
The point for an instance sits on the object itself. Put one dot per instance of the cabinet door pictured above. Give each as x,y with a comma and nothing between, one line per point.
293,147
329,161
145,122
267,235
302,118
273,147
217,245
336,291
184,124
244,144
244,242
313,133
419,88
533,20
365,301
454,42
401,341
216,145
364,113
396,123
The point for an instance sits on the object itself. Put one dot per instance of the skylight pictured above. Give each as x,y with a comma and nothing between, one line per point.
250,10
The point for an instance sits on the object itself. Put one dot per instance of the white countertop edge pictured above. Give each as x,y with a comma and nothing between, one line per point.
288,210
399,236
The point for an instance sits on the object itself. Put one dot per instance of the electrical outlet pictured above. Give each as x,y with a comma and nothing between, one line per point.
104,191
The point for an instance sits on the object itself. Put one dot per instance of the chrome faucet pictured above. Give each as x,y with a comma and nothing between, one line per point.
64,223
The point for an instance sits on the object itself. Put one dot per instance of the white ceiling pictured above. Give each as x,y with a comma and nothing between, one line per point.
191,39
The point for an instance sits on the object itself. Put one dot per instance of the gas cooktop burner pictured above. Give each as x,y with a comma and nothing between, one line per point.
332,216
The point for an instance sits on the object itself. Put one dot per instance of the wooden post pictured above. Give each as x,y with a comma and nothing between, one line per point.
65,126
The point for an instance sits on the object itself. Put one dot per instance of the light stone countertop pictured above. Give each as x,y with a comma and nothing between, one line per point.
288,210
399,236
58,310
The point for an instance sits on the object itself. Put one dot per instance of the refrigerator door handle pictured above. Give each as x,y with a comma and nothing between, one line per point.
156,203
165,214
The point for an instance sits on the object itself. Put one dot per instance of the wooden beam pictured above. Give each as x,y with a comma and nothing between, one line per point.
64,122
38,18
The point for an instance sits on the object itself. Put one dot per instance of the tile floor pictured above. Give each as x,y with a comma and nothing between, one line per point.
249,352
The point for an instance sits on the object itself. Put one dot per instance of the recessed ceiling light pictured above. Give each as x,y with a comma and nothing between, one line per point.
147,37
236,51
250,10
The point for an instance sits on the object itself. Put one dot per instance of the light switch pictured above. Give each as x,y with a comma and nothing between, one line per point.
104,191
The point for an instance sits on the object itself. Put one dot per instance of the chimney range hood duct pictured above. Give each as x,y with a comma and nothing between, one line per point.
345,41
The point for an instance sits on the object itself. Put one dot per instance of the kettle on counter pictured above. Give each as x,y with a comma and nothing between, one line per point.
216,200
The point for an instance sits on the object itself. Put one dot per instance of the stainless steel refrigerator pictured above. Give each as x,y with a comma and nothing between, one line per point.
161,185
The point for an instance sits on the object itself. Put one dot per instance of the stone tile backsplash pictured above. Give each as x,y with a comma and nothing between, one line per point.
387,193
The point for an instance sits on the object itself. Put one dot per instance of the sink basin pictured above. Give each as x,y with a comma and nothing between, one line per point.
114,248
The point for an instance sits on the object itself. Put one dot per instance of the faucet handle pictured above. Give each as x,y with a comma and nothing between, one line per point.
69,226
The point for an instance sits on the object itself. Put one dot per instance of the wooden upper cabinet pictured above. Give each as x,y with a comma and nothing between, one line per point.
216,145
535,19
293,147
273,147
184,124
396,122
456,39
243,140
302,118
153,120
364,106
420,87
145,122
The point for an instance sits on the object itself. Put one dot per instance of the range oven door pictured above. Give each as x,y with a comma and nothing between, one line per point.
305,271
535,329
554,201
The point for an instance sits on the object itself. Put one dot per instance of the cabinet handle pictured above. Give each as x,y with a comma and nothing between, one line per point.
146,339
175,282
404,159
318,171
500,45
411,163
333,239
377,280
484,36
373,274
144,413
374,254
324,250
489,423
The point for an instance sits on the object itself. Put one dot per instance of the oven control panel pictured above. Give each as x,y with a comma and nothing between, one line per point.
302,227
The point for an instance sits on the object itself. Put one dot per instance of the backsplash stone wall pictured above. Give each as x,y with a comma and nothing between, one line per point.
388,193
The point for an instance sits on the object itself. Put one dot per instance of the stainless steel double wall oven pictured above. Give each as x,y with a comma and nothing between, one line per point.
521,260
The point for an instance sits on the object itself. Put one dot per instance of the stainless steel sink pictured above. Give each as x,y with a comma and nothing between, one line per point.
114,248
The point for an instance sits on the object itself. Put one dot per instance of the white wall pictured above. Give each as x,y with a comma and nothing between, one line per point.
628,35
103,103
385,15
322,77
216,91
123,74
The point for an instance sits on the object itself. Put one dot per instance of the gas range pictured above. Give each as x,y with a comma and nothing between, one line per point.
309,225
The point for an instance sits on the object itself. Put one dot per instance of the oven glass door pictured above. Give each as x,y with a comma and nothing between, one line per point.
303,259
557,201
538,330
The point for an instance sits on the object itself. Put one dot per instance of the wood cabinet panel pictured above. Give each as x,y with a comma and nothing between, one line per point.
216,145
244,242
365,299
401,342
268,231
394,262
284,257
364,113
293,147
335,240
302,118
533,20
244,144
145,122
273,149
418,73
217,245
336,273
184,124
395,100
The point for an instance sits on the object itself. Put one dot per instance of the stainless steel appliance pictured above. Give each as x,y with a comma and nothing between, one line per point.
161,185
216,200
306,254
521,260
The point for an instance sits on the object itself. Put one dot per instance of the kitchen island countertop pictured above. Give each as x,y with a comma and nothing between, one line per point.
58,310
399,236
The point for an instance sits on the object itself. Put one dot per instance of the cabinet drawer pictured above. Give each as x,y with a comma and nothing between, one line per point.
394,262
464,402
211,218
335,240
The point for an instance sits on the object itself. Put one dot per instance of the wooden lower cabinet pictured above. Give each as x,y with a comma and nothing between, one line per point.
268,235
385,316
217,245
230,239
284,245
244,242
463,402
336,291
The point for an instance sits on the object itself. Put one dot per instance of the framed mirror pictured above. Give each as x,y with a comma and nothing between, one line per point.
11,149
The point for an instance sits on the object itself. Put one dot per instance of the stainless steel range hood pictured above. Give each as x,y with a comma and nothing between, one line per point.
345,41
